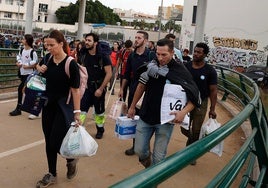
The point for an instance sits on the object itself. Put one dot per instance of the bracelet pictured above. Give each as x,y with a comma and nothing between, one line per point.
77,111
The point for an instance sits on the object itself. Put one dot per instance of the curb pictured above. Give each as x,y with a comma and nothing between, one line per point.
10,95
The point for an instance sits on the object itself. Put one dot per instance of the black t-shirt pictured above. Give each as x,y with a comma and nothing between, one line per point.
57,81
134,61
151,105
186,59
95,66
203,77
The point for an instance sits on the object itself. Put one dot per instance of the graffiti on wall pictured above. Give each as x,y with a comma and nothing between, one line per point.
233,58
236,52
245,44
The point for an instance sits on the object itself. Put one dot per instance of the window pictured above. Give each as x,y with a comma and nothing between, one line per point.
191,48
20,2
9,2
45,18
7,15
43,7
194,15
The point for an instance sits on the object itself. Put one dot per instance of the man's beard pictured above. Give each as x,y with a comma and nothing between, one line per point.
89,47
139,45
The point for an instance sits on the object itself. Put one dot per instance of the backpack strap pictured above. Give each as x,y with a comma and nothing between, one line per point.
31,54
67,71
21,50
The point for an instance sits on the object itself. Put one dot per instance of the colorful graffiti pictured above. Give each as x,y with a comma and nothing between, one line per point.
234,58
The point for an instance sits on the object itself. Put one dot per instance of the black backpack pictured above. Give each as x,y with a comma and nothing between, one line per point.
31,53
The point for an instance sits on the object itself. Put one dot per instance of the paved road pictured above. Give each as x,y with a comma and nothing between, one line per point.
23,161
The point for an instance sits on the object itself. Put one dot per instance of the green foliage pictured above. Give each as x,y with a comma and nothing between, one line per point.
172,27
95,13
68,15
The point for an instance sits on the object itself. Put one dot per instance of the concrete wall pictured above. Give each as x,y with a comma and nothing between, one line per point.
235,31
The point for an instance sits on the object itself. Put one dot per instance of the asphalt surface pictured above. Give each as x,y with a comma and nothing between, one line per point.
23,158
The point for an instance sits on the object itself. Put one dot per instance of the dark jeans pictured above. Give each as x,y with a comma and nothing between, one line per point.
197,117
23,79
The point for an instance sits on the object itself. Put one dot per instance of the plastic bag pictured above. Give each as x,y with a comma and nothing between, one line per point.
139,103
119,108
207,128
174,99
78,143
36,82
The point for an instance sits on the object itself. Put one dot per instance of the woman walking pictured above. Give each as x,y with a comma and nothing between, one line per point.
58,85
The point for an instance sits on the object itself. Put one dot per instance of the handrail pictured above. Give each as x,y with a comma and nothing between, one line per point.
8,69
255,144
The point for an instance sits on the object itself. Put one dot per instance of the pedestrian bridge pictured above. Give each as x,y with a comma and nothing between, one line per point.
248,164
244,93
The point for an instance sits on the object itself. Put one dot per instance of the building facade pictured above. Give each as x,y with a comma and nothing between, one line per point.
44,10
236,34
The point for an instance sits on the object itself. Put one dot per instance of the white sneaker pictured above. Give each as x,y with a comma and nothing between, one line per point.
32,117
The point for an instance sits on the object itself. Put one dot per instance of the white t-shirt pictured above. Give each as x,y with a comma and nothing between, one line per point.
25,59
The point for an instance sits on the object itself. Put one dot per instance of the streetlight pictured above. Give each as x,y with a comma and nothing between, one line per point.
160,19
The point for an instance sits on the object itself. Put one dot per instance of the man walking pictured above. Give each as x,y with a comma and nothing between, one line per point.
139,57
177,52
98,64
163,72
205,78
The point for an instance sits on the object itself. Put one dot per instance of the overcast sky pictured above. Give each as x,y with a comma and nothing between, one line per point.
146,6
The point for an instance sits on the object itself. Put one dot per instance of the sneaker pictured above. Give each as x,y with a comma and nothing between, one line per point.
71,169
47,180
146,162
130,151
15,112
32,117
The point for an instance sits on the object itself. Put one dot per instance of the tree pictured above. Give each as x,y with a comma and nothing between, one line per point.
171,27
95,13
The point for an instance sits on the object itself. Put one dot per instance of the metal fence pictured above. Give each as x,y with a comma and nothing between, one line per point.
8,69
254,150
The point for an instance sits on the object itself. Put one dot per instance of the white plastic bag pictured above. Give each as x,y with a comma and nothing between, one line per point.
174,98
139,103
208,127
119,108
78,143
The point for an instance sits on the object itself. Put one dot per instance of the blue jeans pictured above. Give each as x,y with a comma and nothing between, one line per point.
144,133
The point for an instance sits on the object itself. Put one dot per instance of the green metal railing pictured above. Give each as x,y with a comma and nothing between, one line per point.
8,69
232,85
245,93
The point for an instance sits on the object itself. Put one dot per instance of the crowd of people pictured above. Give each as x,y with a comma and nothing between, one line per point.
144,68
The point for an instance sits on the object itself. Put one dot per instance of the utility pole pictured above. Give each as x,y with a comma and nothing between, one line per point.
29,17
160,19
18,19
81,19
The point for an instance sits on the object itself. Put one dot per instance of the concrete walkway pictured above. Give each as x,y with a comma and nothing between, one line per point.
23,160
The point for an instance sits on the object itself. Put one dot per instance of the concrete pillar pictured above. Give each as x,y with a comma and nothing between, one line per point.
81,19
200,21
29,17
